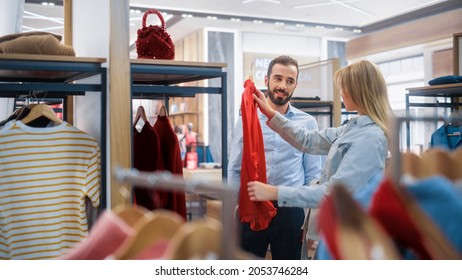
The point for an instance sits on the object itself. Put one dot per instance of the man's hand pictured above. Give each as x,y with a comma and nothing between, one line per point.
265,108
261,192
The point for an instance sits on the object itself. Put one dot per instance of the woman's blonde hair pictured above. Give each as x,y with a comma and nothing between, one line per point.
366,85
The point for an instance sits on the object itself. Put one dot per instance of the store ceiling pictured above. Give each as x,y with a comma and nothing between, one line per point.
341,19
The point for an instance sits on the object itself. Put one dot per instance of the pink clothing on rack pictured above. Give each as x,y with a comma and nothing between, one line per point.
105,237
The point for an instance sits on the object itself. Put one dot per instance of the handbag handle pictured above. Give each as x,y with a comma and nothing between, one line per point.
153,11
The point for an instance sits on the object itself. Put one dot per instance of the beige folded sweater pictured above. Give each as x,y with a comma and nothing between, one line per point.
35,43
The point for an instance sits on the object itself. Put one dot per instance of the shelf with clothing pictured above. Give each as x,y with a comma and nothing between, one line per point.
451,94
56,77
64,170
162,79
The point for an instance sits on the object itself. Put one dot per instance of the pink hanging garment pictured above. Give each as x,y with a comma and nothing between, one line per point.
105,237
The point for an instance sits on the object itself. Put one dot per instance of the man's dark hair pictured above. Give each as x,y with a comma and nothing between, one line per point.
284,60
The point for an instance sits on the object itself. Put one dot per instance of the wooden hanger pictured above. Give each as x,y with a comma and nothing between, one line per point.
140,113
131,215
433,162
410,165
457,163
199,239
162,111
159,225
41,110
436,161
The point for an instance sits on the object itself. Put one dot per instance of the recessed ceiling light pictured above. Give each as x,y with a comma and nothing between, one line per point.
235,19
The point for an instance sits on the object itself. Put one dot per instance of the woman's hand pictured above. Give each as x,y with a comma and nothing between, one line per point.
261,192
265,108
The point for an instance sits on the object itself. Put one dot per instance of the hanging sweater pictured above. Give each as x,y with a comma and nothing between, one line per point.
258,214
171,157
147,157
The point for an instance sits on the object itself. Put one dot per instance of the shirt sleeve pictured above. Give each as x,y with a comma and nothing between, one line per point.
363,157
312,164
235,159
308,141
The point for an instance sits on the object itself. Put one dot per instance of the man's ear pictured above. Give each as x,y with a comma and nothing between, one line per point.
266,81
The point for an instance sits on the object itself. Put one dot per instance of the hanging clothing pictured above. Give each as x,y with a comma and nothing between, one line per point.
171,157
106,236
46,174
447,137
258,214
147,157
436,196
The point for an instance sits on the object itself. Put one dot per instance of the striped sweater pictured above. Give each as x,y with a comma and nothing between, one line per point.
45,176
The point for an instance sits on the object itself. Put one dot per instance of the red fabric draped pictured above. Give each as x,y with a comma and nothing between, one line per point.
258,214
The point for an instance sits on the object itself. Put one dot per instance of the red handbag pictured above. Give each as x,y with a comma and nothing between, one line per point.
153,41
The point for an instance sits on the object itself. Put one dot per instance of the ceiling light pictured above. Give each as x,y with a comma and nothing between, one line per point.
319,27
357,30
300,25
235,19
279,23
257,21
211,17
338,28
187,15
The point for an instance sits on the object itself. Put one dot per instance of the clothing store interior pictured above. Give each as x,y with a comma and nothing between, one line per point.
231,130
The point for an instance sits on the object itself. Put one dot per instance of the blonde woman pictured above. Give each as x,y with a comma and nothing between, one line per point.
355,151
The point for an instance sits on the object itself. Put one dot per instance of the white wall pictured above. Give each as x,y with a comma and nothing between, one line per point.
10,22
90,39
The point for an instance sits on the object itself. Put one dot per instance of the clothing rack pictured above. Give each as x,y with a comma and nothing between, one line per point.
54,76
395,128
162,79
453,92
168,181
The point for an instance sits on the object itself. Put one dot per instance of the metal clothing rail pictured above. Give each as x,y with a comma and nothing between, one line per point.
168,181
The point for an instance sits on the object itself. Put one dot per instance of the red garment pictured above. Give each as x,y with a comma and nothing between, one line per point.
390,206
258,214
147,157
171,156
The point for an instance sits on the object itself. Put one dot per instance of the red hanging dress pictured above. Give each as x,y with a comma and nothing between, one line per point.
257,213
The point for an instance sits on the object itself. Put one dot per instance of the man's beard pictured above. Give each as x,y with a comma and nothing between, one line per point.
279,101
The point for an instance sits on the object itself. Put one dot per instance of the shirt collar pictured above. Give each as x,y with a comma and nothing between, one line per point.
290,112
362,120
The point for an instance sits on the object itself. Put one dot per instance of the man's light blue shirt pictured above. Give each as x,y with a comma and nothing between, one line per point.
285,165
